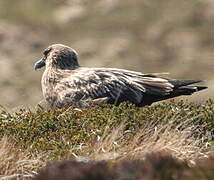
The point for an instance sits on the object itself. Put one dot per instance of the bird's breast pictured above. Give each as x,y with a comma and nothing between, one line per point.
49,82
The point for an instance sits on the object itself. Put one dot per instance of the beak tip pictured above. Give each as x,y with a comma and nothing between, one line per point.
39,64
36,67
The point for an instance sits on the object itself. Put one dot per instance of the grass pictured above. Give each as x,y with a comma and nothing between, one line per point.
16,163
109,133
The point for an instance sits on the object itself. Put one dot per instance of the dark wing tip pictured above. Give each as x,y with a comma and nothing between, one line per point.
180,83
199,88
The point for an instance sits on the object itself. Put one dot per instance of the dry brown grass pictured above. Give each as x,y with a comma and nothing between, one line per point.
14,163
177,138
183,141
158,151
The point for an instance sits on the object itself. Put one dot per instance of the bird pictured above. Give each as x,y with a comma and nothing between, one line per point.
65,83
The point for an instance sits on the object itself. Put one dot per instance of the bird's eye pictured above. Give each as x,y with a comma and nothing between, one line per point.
47,51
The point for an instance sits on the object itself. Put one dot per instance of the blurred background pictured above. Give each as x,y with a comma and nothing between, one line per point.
143,35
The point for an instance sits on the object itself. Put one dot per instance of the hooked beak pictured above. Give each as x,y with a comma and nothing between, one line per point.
39,64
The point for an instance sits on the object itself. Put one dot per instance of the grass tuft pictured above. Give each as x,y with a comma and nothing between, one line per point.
181,130
15,163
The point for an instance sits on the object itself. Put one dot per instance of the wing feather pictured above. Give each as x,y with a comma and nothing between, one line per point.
86,83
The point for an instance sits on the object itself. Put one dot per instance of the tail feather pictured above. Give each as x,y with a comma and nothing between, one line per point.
177,92
199,88
188,90
180,88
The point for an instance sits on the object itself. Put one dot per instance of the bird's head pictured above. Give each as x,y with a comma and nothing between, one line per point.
58,56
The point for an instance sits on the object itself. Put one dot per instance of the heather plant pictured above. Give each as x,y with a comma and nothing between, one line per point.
113,134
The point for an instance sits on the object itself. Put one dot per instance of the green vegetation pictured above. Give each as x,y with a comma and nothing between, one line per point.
58,131
180,129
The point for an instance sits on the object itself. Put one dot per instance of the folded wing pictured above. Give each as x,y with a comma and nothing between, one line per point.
120,85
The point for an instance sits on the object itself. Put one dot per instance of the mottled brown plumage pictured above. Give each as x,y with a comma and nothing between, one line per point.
65,83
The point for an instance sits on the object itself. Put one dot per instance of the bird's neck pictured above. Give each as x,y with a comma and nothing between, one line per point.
50,78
